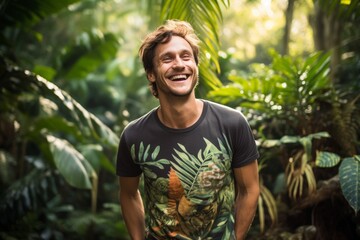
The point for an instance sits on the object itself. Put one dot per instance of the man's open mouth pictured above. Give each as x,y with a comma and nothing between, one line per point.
180,77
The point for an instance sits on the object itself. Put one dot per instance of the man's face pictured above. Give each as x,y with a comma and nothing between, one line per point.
175,69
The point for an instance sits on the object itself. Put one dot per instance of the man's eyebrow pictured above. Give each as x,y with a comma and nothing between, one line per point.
165,54
169,53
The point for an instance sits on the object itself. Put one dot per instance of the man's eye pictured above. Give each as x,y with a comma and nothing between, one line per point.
186,56
167,59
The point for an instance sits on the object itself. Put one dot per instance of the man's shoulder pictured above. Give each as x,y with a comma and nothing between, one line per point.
222,109
143,121
227,116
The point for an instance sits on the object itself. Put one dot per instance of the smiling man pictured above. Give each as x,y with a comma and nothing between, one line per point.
198,158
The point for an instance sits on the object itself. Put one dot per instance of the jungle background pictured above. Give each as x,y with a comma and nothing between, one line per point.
70,81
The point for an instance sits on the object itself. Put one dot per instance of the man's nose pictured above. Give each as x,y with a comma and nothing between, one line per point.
178,63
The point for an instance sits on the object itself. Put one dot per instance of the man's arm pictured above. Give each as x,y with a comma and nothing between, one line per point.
132,207
247,191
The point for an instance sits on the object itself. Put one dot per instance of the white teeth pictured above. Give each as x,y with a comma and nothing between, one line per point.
176,77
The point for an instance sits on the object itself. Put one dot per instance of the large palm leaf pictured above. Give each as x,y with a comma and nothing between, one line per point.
87,54
286,89
25,13
15,86
41,108
15,82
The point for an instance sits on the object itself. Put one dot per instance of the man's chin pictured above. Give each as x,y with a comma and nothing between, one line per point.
182,95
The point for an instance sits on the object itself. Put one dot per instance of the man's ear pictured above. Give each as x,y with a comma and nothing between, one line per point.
150,77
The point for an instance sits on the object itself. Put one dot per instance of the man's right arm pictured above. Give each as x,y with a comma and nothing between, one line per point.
132,207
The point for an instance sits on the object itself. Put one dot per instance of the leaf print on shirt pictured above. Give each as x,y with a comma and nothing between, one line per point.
189,219
203,174
147,156
202,177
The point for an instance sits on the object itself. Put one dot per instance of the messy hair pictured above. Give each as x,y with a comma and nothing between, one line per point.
163,34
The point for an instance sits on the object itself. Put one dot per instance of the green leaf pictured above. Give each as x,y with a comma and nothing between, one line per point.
306,143
349,173
88,123
57,124
270,143
94,153
284,90
306,140
270,203
290,139
91,51
70,163
16,82
155,152
24,12
318,135
45,71
326,159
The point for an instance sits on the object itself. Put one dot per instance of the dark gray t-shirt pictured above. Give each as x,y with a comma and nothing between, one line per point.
188,177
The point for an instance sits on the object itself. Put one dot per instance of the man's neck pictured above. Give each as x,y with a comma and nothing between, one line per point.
180,114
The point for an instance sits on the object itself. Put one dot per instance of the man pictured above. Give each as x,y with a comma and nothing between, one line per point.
198,158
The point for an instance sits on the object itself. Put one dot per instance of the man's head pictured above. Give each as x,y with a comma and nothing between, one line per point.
163,35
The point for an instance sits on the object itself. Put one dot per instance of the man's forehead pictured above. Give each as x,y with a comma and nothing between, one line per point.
174,45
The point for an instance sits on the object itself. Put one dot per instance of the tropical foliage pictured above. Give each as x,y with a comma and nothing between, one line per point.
348,175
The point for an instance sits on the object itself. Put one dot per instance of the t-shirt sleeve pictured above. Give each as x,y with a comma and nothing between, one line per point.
125,165
245,146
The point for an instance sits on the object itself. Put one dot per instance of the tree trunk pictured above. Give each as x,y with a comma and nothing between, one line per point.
289,15
327,31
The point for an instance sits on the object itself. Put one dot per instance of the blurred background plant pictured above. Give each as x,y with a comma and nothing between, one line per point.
70,80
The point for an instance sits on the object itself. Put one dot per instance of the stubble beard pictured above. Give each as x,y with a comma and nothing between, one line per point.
186,94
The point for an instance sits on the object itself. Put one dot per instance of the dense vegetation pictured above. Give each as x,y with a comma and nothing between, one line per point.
70,80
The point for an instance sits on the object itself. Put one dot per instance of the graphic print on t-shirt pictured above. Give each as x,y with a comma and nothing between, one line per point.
194,198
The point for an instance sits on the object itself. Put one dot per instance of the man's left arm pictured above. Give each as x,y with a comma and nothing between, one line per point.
247,191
